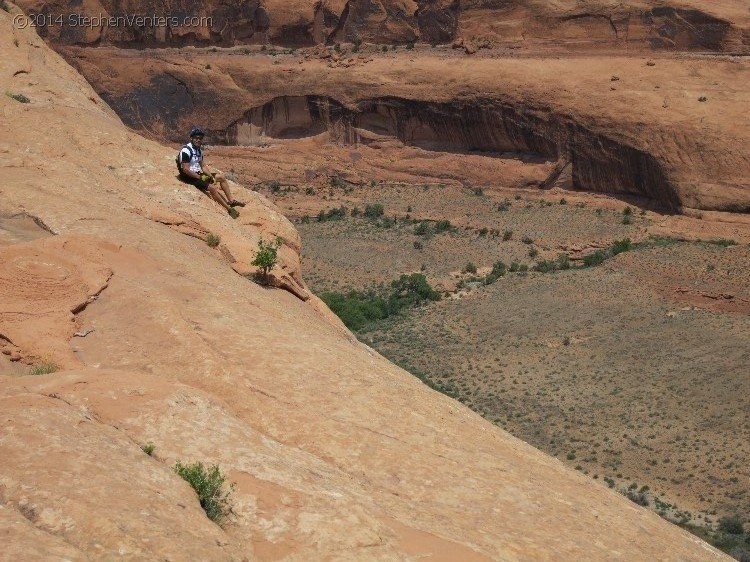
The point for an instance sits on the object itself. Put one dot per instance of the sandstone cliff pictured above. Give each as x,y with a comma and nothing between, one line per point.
674,25
646,133
337,454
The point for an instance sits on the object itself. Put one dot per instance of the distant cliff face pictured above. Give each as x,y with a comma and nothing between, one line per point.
677,25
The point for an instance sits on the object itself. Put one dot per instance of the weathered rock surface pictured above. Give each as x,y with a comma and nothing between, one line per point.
337,454
675,25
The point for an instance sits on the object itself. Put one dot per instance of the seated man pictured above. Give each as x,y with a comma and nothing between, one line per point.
193,171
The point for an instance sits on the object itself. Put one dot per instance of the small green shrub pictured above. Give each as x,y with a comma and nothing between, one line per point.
208,484
385,48
266,257
498,270
18,97
732,525
44,368
422,229
527,240
274,186
627,211
148,448
374,211
418,245
504,206
443,225
470,268
533,252
507,235
213,240
334,214
208,67
358,309
410,45
483,231
478,191
627,219
563,201
305,219
595,258
620,246
514,267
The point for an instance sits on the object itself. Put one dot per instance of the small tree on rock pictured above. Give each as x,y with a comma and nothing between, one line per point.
266,257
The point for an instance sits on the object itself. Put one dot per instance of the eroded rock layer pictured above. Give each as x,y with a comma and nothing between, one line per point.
683,25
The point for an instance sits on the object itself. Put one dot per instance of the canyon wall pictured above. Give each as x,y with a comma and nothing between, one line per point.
676,26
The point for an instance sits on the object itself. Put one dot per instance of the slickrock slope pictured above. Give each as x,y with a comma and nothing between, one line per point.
336,453
607,24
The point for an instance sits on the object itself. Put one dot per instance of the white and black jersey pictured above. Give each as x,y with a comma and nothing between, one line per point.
194,155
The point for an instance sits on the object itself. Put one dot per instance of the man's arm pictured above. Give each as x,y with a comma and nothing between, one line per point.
185,167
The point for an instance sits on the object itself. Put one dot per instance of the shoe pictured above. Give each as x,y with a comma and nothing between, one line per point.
235,203
234,213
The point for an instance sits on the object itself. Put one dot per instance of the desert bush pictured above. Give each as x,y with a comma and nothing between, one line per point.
507,235
213,240
334,214
422,229
478,191
563,261
563,201
732,525
357,309
533,252
498,270
593,259
418,245
470,268
514,266
208,483
148,448
504,205
274,186
483,231
545,266
266,257
527,240
637,498
443,225
306,219
374,211
627,211
627,219
620,246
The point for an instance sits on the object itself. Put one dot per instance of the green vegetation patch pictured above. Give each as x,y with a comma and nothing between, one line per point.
358,309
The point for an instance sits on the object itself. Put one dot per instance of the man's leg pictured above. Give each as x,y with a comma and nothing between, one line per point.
221,179
218,196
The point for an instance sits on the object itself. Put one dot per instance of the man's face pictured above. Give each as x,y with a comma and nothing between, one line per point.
197,140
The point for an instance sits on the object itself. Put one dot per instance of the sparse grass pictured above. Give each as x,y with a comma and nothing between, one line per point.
148,448
44,368
213,240
208,483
